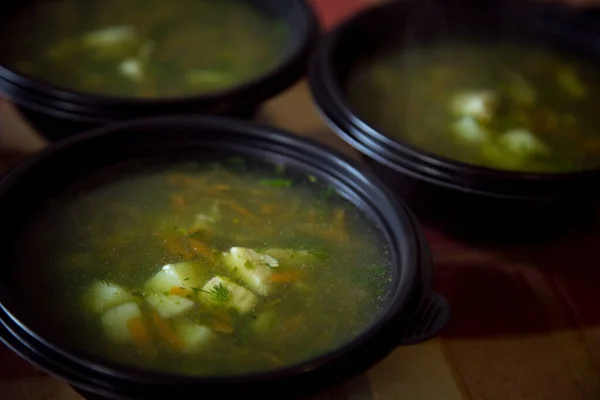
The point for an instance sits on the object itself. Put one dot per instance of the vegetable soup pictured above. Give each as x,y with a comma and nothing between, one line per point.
143,48
211,268
505,106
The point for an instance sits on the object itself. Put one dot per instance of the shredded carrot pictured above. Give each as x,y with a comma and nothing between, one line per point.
219,326
177,246
285,277
185,180
166,332
292,324
178,200
180,291
339,217
178,203
200,248
268,208
241,210
222,315
312,216
138,331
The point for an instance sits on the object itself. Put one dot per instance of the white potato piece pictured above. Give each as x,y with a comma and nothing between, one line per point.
195,337
103,295
111,36
132,69
481,104
220,291
251,267
521,141
169,306
181,275
115,322
469,130
570,83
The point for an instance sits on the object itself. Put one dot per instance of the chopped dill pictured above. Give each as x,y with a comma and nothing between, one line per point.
329,192
276,182
311,178
102,277
279,169
248,265
236,161
321,254
218,292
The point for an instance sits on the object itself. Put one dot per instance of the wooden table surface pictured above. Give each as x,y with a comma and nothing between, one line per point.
526,319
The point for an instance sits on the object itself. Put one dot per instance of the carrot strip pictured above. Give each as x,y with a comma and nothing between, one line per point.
236,207
292,324
200,248
312,216
219,326
138,331
184,180
339,217
179,291
176,245
166,332
268,208
178,203
285,277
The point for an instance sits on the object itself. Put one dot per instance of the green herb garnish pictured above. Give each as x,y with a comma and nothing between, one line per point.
321,254
102,277
276,182
260,250
279,169
248,265
236,161
311,178
329,192
219,292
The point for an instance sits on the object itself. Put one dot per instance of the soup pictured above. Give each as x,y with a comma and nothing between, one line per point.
143,48
202,269
504,106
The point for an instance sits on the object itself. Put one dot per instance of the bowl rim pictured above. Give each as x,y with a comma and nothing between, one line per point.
304,30
397,226
397,154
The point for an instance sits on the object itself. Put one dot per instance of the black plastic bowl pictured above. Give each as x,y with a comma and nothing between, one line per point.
413,311
57,112
463,198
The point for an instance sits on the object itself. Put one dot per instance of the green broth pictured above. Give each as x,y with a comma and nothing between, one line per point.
143,48
502,105
123,226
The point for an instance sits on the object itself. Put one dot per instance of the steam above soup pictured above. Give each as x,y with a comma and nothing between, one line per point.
202,269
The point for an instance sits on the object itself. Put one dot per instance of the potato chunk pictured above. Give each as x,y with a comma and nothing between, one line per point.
182,275
195,337
220,291
251,267
104,295
116,321
169,306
